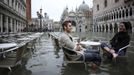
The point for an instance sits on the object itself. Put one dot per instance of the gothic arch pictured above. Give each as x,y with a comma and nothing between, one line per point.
106,28
111,27
123,13
127,13
117,14
120,14
103,28
99,28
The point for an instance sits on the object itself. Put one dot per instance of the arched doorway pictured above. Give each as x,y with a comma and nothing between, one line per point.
111,28
106,28
99,28
102,28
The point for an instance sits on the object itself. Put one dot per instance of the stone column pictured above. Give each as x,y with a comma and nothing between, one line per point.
15,25
133,11
14,4
115,15
1,23
101,29
10,3
21,27
104,27
113,29
118,25
125,14
132,24
108,27
128,12
11,24
121,14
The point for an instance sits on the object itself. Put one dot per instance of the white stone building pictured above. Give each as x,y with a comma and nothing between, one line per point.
107,14
12,16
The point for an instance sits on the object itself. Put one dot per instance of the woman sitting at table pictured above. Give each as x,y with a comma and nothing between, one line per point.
67,43
120,39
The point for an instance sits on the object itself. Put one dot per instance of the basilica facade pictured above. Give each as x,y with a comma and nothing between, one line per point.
81,18
107,14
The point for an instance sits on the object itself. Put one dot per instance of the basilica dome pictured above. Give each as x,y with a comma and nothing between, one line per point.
83,7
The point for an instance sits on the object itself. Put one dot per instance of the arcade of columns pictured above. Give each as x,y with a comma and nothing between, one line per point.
12,16
109,20
9,24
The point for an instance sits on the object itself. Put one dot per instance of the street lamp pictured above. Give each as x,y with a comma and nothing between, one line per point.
39,14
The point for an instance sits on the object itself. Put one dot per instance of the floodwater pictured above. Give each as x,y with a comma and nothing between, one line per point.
47,59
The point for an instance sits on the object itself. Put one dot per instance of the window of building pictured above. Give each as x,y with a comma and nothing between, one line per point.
105,3
116,1
97,7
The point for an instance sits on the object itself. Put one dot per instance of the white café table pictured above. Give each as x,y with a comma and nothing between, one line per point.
24,39
90,43
94,45
7,45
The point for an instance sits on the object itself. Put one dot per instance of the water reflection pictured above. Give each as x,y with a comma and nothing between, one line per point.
56,51
74,69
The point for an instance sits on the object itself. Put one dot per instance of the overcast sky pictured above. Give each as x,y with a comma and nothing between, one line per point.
54,8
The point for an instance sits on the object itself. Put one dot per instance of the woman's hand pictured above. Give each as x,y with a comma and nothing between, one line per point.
78,47
112,51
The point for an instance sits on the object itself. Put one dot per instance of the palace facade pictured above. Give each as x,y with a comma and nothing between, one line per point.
107,14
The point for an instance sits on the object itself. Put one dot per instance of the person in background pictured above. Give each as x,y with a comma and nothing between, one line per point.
67,42
120,39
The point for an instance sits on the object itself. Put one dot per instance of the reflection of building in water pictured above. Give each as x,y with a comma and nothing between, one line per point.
81,18
12,15
108,13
